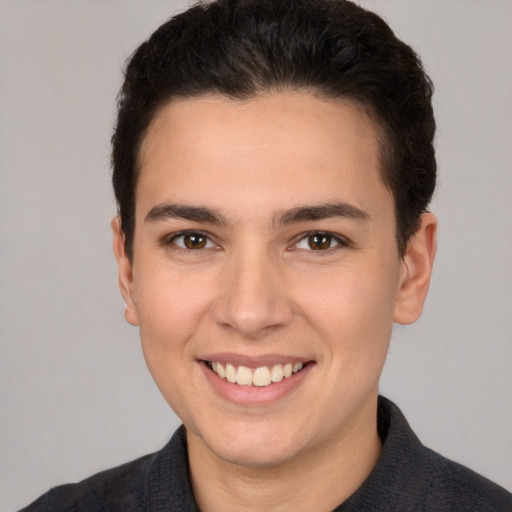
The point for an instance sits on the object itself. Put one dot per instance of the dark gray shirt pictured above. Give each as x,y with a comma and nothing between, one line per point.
407,477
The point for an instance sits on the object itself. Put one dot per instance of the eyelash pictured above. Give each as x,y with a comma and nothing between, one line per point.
171,240
340,241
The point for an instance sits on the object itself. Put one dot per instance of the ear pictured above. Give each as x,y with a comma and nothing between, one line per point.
416,271
124,266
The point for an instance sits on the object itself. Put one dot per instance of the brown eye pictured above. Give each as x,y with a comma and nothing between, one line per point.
191,241
319,242
195,241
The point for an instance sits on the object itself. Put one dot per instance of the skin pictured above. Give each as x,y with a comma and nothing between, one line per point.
257,288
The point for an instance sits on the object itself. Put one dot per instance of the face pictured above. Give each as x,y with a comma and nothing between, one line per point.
265,254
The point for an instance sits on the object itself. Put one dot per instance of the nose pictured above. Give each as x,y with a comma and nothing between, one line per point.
252,297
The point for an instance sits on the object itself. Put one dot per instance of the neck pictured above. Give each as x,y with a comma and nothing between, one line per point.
319,479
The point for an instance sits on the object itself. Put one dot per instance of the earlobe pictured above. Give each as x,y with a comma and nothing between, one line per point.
124,266
416,271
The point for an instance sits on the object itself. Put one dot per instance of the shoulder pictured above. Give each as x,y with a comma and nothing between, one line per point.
120,488
453,486
143,484
410,476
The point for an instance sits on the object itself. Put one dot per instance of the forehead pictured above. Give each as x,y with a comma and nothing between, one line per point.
281,149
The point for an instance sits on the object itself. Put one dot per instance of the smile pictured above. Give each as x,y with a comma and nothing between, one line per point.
261,377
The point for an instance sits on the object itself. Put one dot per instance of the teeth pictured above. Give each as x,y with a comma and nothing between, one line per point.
220,371
230,373
262,376
244,376
277,373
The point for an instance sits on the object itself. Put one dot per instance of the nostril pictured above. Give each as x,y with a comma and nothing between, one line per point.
250,298
251,321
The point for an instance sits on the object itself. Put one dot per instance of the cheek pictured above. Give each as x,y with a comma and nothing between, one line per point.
171,306
353,310
171,309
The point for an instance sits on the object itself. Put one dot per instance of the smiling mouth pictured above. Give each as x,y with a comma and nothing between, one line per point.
260,377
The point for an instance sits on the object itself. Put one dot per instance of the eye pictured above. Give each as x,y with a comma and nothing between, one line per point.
192,240
318,241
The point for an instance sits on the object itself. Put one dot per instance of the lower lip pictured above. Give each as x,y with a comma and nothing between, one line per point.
255,395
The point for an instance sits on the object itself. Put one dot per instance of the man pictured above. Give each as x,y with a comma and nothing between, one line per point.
273,166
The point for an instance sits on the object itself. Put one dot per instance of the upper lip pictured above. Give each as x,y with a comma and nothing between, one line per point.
254,361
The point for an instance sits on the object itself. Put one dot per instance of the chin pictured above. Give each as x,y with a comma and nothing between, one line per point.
254,456
253,447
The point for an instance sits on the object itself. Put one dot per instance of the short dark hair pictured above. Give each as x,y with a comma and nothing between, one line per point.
242,48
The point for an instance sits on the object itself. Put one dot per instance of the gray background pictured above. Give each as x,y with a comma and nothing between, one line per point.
75,395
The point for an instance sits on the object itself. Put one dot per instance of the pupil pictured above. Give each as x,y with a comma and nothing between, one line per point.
317,242
195,241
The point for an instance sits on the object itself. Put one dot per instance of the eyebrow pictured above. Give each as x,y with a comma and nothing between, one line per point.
167,211
180,211
320,212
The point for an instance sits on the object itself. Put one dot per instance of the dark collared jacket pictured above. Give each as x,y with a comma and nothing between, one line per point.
407,477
